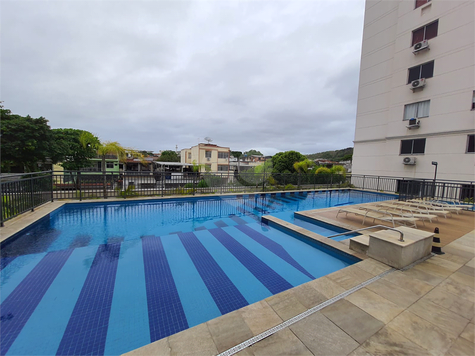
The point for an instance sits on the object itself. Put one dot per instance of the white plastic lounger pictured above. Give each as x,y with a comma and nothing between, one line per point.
438,206
378,215
406,211
427,208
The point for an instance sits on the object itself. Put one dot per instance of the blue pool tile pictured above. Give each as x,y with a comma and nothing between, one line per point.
12,275
165,311
248,213
81,240
128,323
36,241
87,328
273,247
274,201
249,286
266,275
115,240
220,223
237,219
17,308
197,302
292,275
5,261
225,294
199,228
46,326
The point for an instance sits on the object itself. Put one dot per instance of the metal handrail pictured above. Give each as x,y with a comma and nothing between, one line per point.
371,227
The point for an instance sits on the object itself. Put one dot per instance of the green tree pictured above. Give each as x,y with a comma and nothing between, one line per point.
169,156
253,153
25,142
284,161
238,155
303,166
74,154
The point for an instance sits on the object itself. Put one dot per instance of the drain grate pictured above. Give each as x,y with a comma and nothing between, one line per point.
301,316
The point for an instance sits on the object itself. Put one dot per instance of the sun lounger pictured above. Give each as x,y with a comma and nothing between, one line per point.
407,211
378,215
437,206
424,207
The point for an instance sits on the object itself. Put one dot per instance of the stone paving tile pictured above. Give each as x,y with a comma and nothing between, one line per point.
372,266
326,287
421,332
392,292
198,336
453,258
286,305
449,321
282,343
416,286
375,305
424,276
359,352
352,320
447,264
463,278
260,317
159,347
455,287
470,271
461,347
434,269
389,342
308,296
350,277
471,263
459,250
229,330
469,333
322,337
457,304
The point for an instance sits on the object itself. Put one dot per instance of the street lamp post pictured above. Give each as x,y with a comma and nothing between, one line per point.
434,163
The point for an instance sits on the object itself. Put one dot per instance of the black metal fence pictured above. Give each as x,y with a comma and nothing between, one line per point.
26,192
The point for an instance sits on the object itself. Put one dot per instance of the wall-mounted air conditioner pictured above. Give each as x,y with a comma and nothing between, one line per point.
420,46
413,124
409,160
418,83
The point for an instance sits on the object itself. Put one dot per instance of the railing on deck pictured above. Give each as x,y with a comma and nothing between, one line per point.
27,191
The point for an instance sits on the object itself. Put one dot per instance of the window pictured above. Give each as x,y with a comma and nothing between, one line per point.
208,154
470,144
208,167
189,155
425,70
416,110
473,100
419,3
425,33
409,147
110,165
223,154
222,168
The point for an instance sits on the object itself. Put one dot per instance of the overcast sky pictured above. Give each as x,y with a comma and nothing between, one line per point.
268,75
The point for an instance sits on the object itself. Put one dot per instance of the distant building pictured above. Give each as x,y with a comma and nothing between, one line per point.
216,158
416,97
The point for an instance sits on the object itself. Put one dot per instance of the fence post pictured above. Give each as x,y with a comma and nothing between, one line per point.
1,203
194,183
378,185
264,182
31,194
364,177
331,180
52,186
162,175
79,185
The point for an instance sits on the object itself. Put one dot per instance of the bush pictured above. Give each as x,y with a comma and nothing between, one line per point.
289,187
202,184
188,185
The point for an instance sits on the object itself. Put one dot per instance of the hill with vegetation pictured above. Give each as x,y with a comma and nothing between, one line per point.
338,155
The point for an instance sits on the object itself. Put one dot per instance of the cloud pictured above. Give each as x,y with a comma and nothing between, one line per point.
272,76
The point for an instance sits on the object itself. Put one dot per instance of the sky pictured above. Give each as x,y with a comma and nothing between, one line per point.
153,75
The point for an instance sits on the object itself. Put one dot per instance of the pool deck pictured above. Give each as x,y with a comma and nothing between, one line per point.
425,310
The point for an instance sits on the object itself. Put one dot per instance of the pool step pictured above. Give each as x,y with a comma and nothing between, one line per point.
360,243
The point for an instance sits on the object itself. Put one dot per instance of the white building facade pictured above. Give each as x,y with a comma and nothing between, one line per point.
416,95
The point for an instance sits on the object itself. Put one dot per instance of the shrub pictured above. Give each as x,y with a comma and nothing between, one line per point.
289,187
202,184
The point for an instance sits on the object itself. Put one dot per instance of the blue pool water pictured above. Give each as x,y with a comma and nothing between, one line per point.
106,278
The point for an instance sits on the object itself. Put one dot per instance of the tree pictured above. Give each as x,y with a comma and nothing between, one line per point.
303,166
74,154
26,141
253,153
284,161
237,154
169,156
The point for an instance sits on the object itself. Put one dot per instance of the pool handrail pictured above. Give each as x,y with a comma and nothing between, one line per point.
371,227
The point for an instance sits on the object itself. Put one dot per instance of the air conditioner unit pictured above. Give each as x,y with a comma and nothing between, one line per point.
208,159
414,124
418,83
420,46
409,160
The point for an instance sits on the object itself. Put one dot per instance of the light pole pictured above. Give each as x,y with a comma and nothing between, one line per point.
434,163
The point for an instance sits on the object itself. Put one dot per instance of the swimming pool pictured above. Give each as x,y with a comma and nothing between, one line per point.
106,278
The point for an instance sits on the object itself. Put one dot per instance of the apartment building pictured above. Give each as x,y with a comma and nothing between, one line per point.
416,99
216,158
